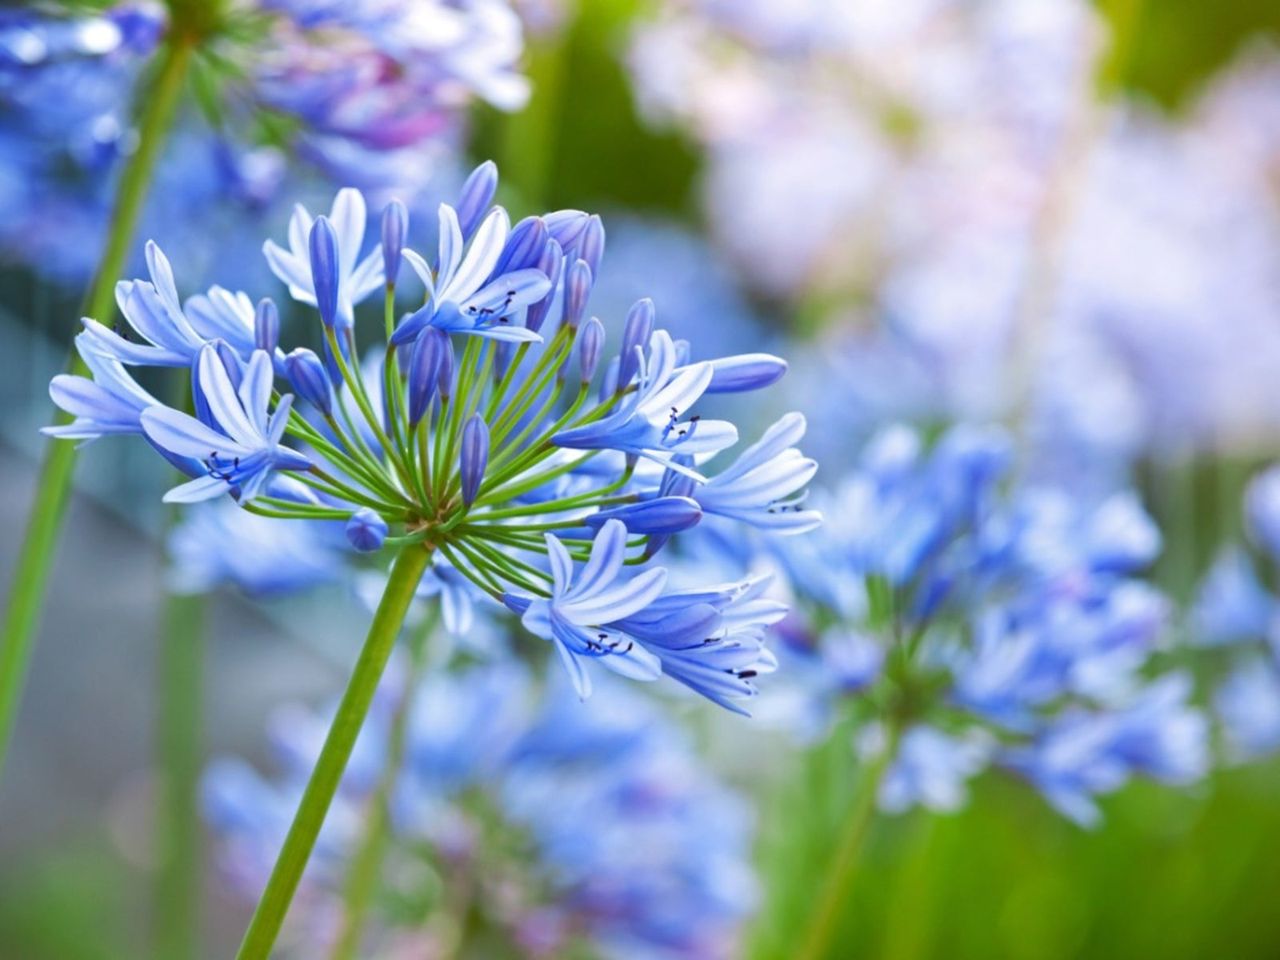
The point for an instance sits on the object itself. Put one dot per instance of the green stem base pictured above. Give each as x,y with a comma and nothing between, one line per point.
269,916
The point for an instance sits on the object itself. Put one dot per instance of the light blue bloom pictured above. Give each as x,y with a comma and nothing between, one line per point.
574,619
932,770
463,295
372,98
1233,606
1262,508
648,422
1248,704
1234,626
244,449
222,544
761,487
356,278
109,401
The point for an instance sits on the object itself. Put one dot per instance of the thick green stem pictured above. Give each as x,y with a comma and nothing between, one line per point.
27,590
833,894
406,572
362,877
179,740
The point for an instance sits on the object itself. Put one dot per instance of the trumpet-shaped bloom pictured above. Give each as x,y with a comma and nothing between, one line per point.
463,294
761,487
648,424
109,401
242,448
353,278
576,616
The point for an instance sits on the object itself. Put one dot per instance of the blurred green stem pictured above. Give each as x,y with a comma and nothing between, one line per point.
177,901
362,879
406,572
833,893
179,725
26,593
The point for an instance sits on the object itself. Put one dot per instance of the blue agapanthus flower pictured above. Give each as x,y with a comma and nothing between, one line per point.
300,97
563,825
990,624
467,434
1236,623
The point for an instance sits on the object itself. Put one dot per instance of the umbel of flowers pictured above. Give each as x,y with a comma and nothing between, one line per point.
490,427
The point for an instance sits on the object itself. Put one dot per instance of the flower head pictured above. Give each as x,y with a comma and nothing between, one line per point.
464,435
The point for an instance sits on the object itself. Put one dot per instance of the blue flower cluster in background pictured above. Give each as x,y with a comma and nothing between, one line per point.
992,623
560,825
299,98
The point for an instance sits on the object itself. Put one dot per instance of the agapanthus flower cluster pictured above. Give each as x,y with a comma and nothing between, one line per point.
1236,623
296,98
490,427
554,826
980,625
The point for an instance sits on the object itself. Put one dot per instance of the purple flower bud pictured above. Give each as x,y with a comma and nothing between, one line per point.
266,326
590,346
745,371
591,248
477,193
577,290
475,457
661,516
395,226
424,372
566,228
635,335
523,248
324,269
551,263
682,352
366,531
310,380
230,362
444,378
